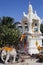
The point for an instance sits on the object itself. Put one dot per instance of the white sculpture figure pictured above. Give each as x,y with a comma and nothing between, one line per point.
7,52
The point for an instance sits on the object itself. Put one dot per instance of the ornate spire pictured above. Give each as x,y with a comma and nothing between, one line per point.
30,8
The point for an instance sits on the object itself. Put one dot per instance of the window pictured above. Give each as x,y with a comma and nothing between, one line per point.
35,29
26,28
35,24
20,28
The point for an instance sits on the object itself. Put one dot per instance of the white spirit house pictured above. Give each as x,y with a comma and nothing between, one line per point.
30,25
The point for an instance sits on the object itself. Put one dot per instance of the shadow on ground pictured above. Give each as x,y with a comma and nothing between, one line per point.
1,61
39,61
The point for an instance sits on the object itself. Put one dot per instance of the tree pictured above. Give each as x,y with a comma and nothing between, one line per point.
7,20
8,32
41,28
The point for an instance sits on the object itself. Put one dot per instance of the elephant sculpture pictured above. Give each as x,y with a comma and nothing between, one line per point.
8,52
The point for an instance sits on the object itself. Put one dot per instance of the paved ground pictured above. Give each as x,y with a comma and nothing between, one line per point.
26,62
29,61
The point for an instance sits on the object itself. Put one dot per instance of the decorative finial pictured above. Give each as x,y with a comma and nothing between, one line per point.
35,13
30,8
29,2
23,13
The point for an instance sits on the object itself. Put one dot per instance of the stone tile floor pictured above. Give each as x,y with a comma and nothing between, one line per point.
28,61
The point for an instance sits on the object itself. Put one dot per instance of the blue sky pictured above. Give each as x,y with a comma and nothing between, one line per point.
15,8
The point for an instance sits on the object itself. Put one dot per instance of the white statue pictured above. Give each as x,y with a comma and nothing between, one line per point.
7,52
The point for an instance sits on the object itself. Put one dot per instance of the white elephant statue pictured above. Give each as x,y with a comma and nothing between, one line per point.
7,53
